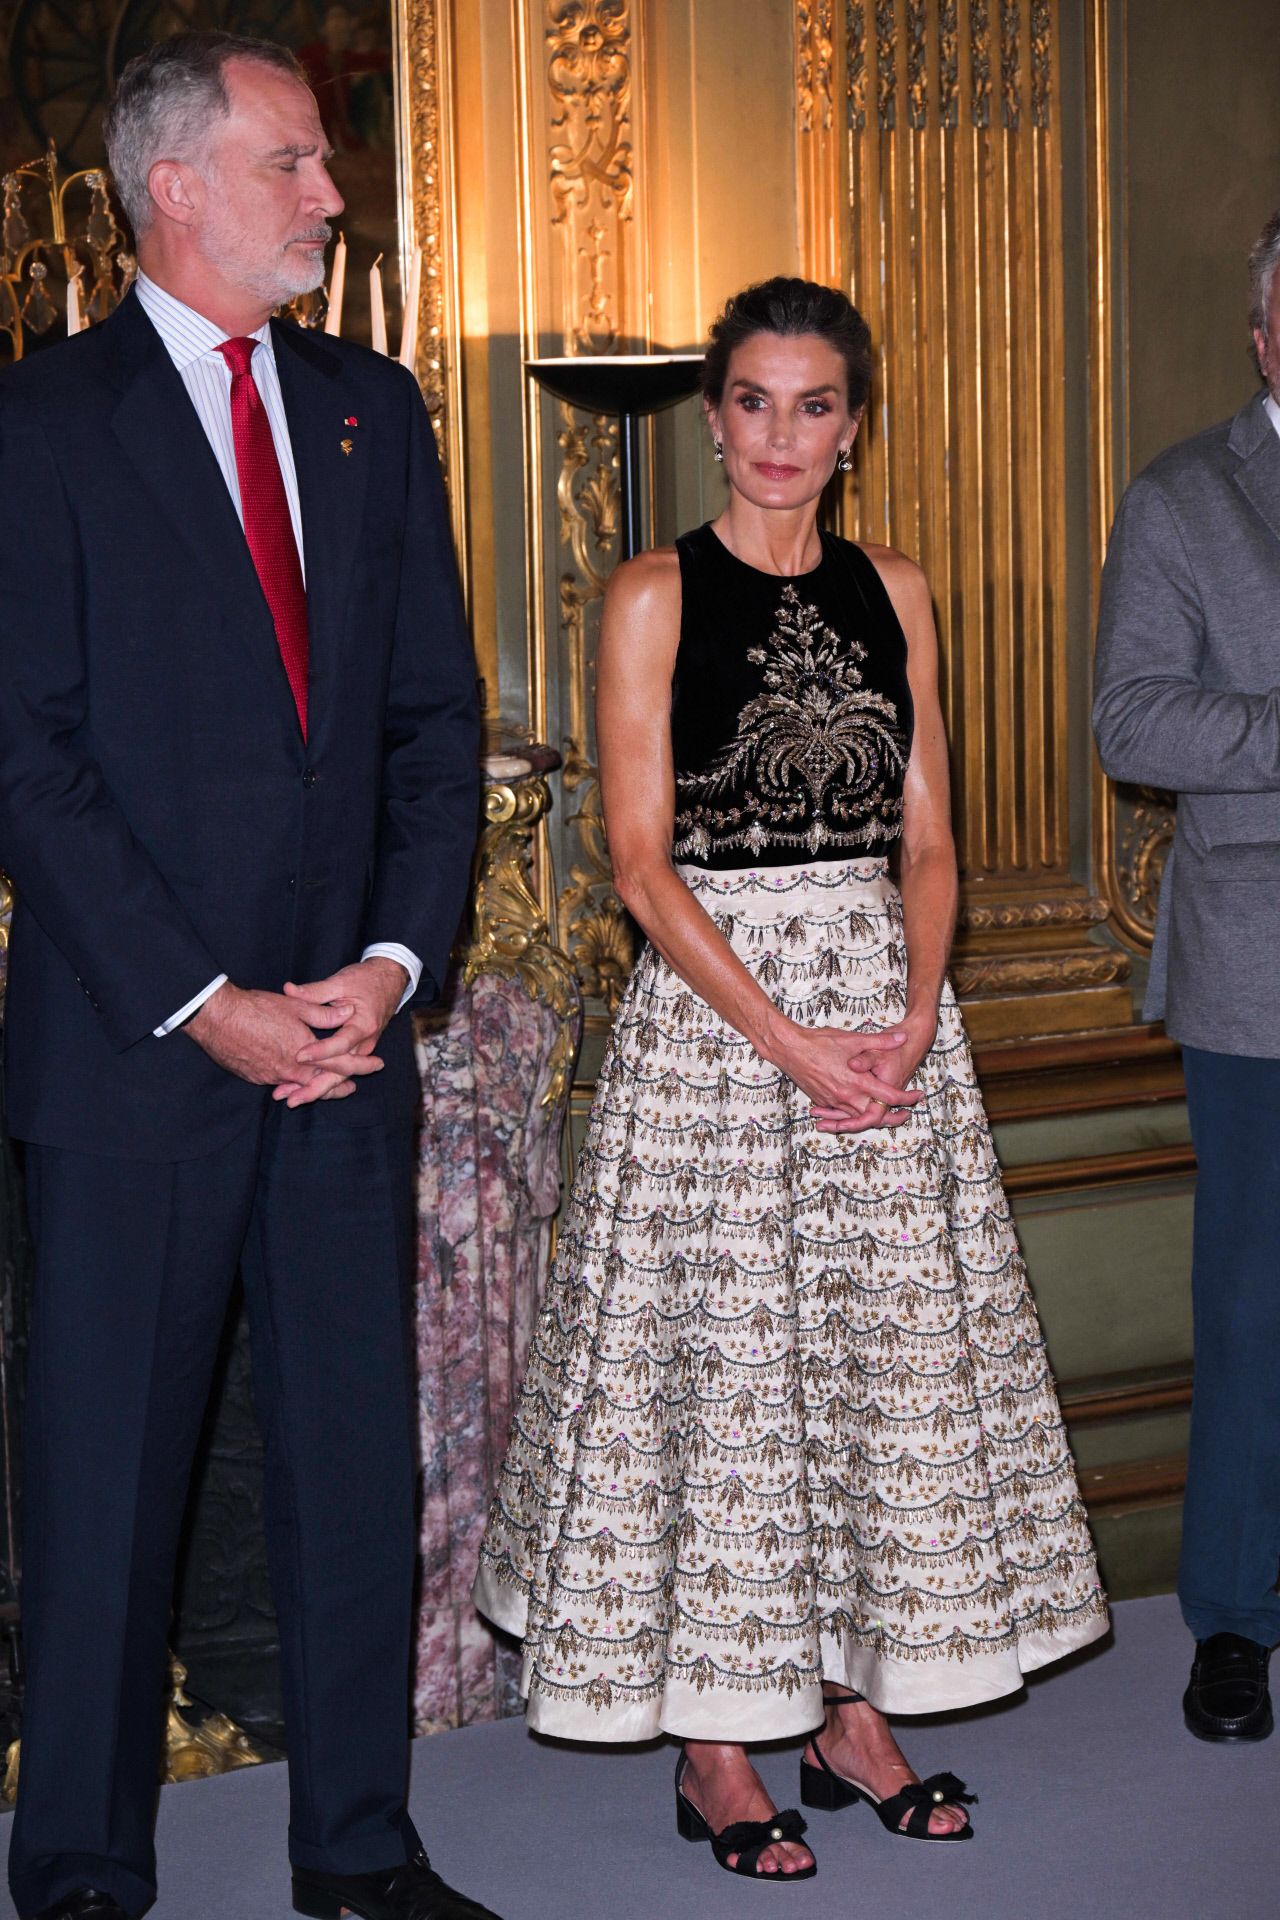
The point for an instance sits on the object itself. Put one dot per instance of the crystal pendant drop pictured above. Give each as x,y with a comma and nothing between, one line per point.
15,233
101,230
38,311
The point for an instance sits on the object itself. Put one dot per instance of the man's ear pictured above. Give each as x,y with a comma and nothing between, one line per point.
175,190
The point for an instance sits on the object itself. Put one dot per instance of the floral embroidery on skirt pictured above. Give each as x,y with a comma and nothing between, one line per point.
787,1412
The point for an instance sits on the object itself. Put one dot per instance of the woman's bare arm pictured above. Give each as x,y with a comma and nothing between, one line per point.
930,888
639,636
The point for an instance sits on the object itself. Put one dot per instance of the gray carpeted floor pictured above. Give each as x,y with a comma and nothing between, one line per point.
1095,1805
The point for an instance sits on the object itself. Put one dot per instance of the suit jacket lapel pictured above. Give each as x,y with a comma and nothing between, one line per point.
331,488
1255,441
160,431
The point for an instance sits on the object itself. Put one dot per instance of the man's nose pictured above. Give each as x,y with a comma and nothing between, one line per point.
328,200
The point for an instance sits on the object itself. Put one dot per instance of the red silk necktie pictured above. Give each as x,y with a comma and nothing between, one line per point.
267,525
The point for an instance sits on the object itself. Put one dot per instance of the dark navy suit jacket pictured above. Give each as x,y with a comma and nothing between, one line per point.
161,816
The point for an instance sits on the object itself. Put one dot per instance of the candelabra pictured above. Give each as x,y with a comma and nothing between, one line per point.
51,250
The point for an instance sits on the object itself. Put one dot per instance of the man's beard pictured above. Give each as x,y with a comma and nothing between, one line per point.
275,280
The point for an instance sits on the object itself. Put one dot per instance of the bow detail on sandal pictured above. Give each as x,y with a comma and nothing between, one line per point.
822,1786
747,1838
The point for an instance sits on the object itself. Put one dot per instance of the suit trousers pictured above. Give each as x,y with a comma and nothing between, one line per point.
1230,1563
134,1266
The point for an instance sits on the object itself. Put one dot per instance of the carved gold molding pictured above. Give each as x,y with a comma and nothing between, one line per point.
428,219
579,63
590,158
511,936
818,136
985,977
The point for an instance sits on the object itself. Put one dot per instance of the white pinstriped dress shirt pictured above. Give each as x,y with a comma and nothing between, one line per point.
192,343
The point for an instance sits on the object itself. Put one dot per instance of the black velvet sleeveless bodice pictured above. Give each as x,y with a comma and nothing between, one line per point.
790,713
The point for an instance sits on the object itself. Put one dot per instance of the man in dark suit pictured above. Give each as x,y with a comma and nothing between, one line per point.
237,753
1188,698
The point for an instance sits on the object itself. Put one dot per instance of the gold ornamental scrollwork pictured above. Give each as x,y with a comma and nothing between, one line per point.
511,937
590,61
982,916
1145,840
815,63
984,977
592,183
855,36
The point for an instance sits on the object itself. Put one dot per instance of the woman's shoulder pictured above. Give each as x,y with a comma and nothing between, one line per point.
647,579
902,577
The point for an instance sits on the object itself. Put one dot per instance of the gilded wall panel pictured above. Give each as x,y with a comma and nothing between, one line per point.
588,293
950,176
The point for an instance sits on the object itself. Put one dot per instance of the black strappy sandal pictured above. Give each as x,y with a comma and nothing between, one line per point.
823,1787
747,1838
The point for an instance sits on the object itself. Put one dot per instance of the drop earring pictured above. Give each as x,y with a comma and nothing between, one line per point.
845,462
718,449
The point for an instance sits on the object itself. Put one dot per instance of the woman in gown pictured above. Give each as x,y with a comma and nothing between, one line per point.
788,1455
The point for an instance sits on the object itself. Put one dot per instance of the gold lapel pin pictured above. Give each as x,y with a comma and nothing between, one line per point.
347,445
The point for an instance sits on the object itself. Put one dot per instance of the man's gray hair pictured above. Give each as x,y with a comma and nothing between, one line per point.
166,102
1264,258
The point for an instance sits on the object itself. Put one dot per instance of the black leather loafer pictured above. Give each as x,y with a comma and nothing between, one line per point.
86,1903
411,1892
1228,1697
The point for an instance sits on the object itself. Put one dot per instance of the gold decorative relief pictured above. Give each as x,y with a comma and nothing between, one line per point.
855,29
510,935
590,65
1145,839
592,183
948,64
1010,68
980,62
428,220
886,75
1041,34
917,76
198,1747
815,63
982,916
986,976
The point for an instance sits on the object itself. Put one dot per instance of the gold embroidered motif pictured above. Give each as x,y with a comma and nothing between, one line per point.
817,756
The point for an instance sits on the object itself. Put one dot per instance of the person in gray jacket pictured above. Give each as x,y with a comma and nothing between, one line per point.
1187,697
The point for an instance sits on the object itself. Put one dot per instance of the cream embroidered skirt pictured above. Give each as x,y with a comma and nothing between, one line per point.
787,1413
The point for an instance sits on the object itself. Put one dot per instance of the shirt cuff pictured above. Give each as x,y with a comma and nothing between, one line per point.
192,1006
389,950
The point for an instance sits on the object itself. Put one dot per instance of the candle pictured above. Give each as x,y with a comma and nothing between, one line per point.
409,331
337,282
377,307
74,322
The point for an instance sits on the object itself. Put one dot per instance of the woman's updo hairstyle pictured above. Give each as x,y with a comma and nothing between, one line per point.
788,307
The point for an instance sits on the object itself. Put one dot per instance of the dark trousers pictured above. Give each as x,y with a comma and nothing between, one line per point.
1231,1519
134,1266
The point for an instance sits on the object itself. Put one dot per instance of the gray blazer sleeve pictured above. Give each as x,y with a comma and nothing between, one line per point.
1156,724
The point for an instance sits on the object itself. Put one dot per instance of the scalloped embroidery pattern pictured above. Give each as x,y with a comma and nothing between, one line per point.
788,1393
